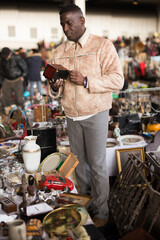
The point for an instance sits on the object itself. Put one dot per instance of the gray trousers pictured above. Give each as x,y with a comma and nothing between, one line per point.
8,87
88,142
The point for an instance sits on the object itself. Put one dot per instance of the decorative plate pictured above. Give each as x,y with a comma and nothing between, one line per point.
111,142
130,139
8,146
82,211
51,162
61,219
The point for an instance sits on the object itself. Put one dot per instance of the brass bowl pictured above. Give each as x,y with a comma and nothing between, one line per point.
61,219
82,211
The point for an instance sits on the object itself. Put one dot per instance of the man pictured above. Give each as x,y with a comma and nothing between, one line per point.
94,73
13,71
34,64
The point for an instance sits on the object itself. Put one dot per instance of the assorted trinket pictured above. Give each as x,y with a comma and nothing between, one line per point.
34,227
8,206
30,187
24,193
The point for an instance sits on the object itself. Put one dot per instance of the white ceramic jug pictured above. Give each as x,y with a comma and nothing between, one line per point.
17,230
31,153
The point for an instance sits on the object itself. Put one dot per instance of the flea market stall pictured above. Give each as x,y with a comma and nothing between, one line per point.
38,189
38,183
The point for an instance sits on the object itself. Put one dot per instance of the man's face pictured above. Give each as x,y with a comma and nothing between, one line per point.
73,25
9,56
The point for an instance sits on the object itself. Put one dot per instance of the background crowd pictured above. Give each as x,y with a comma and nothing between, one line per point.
21,69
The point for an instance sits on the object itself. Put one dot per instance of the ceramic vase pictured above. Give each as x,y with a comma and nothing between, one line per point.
31,153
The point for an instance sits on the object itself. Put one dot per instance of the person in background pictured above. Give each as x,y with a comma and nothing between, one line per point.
34,64
94,73
1,79
22,52
13,72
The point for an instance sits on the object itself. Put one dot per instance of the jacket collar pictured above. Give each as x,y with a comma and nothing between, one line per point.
82,41
34,54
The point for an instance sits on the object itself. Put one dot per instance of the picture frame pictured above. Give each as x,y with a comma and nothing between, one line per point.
75,198
122,155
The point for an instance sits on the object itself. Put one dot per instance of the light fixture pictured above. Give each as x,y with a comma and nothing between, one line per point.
135,2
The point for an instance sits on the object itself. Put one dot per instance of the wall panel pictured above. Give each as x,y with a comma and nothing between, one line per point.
112,24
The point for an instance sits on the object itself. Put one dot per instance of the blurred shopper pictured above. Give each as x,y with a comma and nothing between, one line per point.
13,71
22,52
0,70
34,64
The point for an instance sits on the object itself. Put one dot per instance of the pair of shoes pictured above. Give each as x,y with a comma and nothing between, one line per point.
99,222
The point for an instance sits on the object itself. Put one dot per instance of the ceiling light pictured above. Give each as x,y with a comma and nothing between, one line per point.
135,2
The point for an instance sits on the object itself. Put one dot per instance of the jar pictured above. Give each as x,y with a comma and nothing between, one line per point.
17,230
31,153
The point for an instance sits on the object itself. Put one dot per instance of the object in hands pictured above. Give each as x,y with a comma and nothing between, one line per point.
55,71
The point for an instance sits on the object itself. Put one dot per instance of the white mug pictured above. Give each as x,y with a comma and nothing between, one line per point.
17,230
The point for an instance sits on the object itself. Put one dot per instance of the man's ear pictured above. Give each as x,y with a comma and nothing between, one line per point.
82,19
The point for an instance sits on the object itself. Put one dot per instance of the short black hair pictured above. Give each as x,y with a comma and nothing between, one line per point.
71,8
5,52
34,50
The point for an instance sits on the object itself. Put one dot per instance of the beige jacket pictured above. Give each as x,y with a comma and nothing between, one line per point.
96,58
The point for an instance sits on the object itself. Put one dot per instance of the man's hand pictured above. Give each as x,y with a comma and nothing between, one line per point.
55,85
76,77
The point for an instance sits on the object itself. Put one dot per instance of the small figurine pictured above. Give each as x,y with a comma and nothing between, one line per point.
4,228
23,204
30,187
116,131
